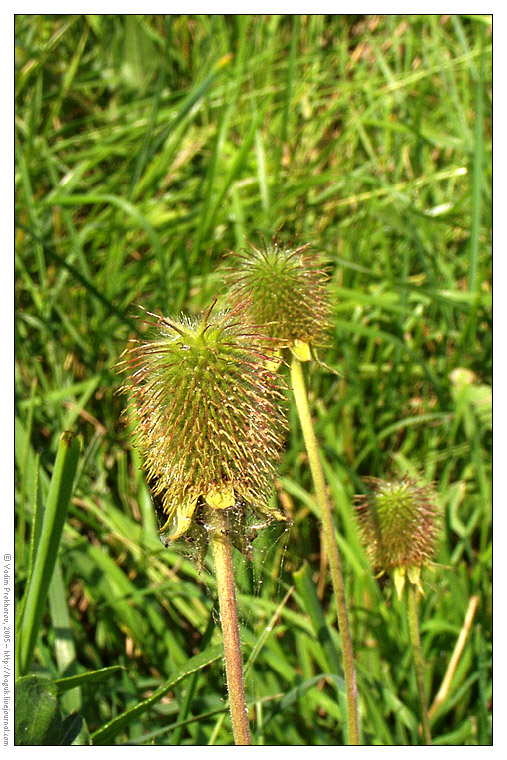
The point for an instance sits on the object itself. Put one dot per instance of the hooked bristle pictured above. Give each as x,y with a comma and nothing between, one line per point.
206,413
287,292
398,521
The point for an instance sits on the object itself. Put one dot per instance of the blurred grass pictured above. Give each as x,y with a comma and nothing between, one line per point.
146,148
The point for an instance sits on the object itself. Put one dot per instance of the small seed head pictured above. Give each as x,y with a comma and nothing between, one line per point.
399,525
206,415
287,292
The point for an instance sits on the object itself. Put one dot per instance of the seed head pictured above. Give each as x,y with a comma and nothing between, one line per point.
206,415
287,292
399,525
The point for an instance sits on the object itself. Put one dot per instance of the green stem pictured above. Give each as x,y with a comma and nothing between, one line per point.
413,625
300,396
222,551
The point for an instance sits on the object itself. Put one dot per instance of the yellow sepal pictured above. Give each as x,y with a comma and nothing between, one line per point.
185,514
414,576
222,499
399,574
302,351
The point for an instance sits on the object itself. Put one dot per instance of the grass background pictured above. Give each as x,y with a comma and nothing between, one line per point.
147,147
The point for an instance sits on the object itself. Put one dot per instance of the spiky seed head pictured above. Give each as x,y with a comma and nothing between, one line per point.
398,521
287,292
206,415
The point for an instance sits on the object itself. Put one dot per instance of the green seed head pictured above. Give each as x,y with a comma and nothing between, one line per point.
206,416
287,294
399,526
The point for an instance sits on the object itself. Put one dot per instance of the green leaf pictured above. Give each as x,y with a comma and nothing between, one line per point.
139,55
38,720
75,732
295,694
400,710
64,646
83,679
308,593
111,729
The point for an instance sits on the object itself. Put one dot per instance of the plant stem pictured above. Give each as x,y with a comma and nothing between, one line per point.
299,390
222,551
413,625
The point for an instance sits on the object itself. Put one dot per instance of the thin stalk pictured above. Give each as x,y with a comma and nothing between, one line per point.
413,625
300,396
222,551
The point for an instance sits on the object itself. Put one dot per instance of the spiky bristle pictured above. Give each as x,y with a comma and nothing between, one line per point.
287,292
206,413
399,523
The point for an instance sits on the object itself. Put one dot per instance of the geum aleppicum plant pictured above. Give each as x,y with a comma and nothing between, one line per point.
399,525
206,417
287,293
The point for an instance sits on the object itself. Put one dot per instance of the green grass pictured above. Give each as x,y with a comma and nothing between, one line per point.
146,149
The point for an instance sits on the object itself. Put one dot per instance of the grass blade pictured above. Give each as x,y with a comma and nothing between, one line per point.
84,679
308,593
477,177
65,649
60,492
111,729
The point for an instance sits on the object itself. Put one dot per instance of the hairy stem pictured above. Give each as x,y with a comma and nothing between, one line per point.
222,551
413,625
300,396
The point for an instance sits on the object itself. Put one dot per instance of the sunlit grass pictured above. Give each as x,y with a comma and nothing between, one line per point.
146,149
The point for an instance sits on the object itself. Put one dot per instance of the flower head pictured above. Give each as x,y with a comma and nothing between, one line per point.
206,416
399,526
287,292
